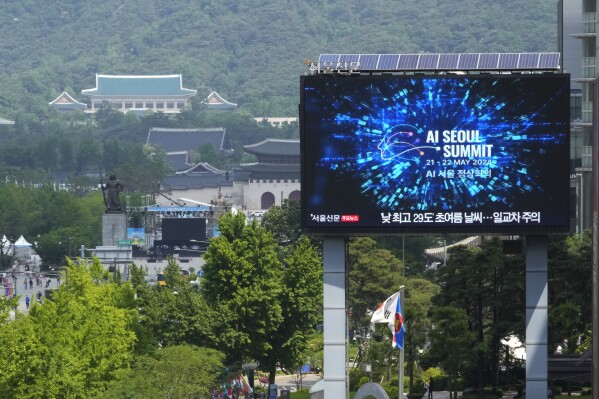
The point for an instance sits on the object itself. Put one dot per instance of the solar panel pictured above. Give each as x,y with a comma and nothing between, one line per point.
368,61
549,60
349,57
388,62
328,58
448,62
408,61
468,61
508,61
488,61
428,61
529,60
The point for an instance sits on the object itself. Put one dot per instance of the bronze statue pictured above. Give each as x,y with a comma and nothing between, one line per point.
112,200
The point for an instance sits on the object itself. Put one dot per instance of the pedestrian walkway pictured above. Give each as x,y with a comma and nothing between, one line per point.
32,288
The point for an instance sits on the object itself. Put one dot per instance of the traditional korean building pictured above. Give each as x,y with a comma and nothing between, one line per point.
178,143
215,101
161,93
275,176
65,103
254,187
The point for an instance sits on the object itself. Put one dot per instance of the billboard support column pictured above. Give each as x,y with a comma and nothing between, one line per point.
536,316
335,361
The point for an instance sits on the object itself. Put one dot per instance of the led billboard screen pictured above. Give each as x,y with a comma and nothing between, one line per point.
435,154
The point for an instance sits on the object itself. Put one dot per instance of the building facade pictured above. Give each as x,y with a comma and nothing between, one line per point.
578,46
254,187
155,93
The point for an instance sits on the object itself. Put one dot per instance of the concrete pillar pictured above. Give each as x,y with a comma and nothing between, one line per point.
536,316
335,358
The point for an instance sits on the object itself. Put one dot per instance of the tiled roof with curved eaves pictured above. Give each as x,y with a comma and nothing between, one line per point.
139,85
276,168
280,147
175,140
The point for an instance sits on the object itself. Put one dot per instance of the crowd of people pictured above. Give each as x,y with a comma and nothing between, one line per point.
40,280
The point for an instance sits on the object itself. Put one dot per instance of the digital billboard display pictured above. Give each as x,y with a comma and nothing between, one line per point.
392,154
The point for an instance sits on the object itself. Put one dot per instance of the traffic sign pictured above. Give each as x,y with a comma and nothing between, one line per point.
124,242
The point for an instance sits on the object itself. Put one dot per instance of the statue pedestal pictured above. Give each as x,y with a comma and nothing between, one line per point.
114,228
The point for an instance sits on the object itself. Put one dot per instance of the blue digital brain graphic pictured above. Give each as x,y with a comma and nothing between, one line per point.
429,143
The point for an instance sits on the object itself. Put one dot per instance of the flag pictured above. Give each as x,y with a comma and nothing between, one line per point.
390,312
399,329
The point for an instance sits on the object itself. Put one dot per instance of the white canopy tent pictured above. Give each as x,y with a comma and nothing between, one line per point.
22,243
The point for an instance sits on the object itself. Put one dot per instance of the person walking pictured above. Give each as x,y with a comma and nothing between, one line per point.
27,300
430,388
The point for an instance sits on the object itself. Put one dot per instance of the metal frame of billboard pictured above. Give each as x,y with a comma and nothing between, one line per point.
334,112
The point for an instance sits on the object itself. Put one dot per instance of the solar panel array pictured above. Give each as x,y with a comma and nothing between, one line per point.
435,62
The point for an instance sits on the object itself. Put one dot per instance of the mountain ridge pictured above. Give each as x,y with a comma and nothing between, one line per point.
249,51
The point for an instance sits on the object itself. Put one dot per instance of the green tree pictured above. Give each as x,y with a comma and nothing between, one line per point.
301,301
488,286
284,222
243,284
417,305
175,314
374,275
71,346
452,341
180,371
569,256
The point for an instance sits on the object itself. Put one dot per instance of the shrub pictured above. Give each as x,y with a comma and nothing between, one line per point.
363,381
355,376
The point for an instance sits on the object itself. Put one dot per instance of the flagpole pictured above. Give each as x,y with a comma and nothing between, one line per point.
401,351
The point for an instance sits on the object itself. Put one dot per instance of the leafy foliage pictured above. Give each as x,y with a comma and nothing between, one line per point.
570,291
488,286
374,275
301,301
175,314
71,346
180,371
242,282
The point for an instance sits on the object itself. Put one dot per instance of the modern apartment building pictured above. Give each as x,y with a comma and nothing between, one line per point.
578,45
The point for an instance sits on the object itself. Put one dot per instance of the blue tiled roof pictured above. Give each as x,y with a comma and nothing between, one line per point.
139,85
